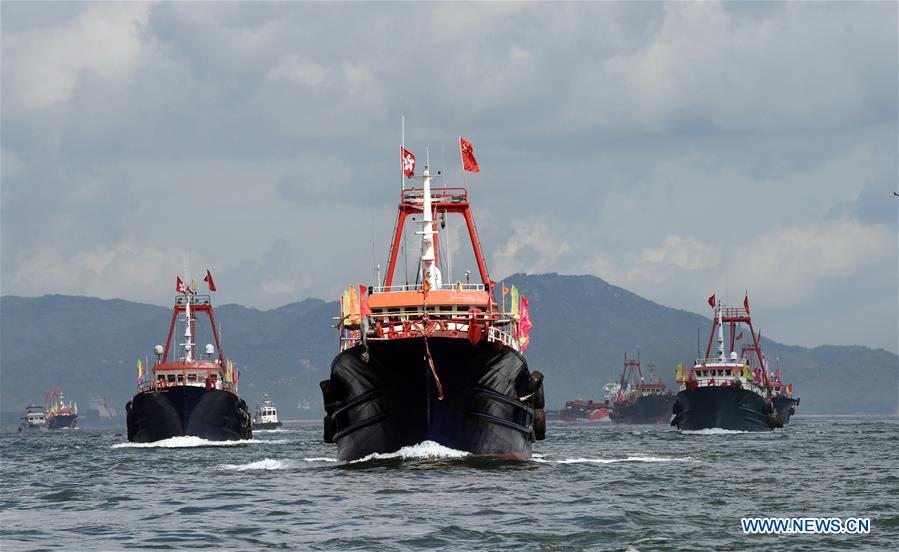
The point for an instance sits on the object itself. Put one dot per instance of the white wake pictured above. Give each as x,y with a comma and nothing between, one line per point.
189,441
712,431
423,450
611,460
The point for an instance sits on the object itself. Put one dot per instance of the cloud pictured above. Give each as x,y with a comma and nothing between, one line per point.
124,268
532,247
611,136
47,62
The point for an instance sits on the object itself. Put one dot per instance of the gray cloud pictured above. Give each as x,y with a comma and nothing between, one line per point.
674,149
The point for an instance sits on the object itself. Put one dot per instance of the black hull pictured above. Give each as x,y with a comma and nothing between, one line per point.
784,407
63,421
650,409
725,408
214,415
267,425
391,401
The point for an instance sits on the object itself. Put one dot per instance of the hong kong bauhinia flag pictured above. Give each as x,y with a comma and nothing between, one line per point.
469,163
179,285
408,161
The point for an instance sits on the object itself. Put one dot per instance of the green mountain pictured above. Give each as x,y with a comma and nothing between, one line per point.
582,327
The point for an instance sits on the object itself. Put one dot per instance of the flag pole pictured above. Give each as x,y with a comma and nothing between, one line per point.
402,149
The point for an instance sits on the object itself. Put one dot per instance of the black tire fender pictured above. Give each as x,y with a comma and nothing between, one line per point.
539,424
328,436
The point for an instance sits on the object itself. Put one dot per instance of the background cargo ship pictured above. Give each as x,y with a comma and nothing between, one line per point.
194,394
435,360
638,401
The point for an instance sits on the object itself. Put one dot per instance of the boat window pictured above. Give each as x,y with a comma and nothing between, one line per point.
181,378
171,378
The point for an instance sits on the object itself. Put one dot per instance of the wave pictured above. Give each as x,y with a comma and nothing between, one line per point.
266,464
423,450
189,441
320,459
612,460
712,431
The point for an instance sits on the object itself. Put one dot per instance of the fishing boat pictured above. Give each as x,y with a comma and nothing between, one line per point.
266,415
59,413
434,360
33,420
580,410
725,391
784,401
194,393
639,401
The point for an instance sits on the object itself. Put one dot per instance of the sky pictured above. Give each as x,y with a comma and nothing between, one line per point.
674,149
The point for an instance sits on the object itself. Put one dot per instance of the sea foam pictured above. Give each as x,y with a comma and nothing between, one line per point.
423,450
611,460
189,441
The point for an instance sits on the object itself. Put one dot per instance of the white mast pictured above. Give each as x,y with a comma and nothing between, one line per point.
720,334
429,271
188,338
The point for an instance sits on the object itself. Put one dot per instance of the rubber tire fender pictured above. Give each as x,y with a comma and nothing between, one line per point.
328,436
539,424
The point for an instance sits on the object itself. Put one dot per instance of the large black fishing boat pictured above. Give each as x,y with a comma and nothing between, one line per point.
638,401
726,392
194,394
433,361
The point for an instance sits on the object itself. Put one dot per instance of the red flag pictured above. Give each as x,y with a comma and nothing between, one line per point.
179,285
468,161
712,301
524,325
364,309
746,303
208,280
739,337
408,162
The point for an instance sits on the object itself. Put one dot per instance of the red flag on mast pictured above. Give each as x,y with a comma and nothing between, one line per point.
712,301
179,285
469,163
746,303
408,162
208,280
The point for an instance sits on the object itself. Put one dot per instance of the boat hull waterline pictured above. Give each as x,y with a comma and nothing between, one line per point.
392,401
63,421
723,407
210,414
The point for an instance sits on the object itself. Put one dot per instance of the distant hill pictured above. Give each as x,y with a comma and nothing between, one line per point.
582,327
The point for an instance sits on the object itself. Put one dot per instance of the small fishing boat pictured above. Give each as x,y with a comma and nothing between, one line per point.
194,393
266,415
33,420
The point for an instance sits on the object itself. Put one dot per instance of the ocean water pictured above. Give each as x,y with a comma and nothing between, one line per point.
589,487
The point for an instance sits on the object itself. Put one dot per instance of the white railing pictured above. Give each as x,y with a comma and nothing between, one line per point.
458,286
507,339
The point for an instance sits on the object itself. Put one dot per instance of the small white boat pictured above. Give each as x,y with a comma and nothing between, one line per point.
266,415
34,419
